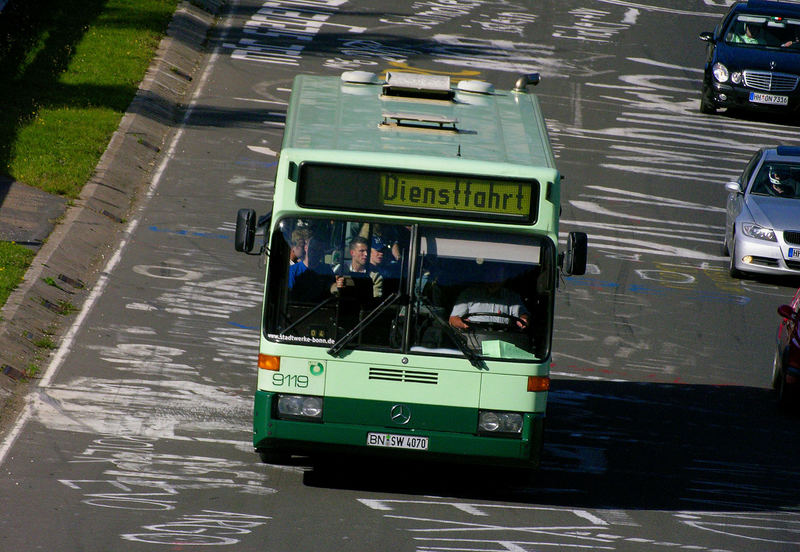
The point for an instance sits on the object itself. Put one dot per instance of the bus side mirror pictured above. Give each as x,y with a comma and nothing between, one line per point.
245,236
573,261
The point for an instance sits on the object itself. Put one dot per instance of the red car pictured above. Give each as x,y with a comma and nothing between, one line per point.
786,368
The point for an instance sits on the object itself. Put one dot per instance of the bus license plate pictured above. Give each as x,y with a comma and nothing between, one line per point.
397,441
760,97
794,252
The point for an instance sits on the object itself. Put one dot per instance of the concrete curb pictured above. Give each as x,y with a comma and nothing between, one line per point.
66,267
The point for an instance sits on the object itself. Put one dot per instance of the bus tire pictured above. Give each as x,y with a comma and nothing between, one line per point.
273,456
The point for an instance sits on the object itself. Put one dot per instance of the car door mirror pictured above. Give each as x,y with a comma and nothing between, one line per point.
733,187
786,311
707,36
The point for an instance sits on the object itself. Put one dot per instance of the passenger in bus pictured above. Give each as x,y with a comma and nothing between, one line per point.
299,238
311,278
477,303
348,275
394,237
382,258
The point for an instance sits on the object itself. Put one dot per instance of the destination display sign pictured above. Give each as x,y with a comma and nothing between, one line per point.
456,193
402,192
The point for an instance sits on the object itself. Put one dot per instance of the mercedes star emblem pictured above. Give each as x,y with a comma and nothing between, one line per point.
400,414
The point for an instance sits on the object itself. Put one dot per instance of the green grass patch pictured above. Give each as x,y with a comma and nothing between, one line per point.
68,79
14,262
69,70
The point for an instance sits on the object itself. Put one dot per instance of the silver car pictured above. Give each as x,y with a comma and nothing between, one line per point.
762,220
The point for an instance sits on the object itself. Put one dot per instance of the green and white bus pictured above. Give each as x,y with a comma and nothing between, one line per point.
412,259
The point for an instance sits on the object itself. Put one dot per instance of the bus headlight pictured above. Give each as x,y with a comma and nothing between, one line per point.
490,421
300,406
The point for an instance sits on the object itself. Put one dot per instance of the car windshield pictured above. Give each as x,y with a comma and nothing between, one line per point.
356,284
761,31
778,180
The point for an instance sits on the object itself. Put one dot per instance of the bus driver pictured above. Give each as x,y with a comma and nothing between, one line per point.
477,303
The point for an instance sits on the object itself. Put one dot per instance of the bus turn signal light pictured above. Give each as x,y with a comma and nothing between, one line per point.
538,383
269,362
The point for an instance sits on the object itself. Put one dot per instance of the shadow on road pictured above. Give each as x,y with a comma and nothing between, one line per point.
623,446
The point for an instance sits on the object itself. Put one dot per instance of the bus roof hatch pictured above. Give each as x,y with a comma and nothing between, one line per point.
412,85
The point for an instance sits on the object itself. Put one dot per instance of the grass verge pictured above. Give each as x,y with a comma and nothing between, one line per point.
69,69
14,261
69,84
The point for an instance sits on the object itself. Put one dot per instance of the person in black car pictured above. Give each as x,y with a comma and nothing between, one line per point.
752,35
753,59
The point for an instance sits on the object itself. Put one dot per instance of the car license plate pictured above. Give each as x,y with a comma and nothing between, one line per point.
794,252
760,97
397,441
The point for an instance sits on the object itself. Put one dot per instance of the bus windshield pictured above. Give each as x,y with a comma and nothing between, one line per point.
357,284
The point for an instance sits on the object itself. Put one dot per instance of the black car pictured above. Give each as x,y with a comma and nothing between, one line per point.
753,58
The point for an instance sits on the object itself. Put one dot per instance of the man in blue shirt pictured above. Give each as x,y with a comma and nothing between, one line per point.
311,279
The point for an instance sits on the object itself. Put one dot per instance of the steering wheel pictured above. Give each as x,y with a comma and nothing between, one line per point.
511,320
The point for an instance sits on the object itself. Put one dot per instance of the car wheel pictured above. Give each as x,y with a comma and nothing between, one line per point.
707,105
725,250
732,270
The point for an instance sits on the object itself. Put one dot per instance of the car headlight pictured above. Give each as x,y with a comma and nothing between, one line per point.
720,72
300,406
758,232
490,421
736,77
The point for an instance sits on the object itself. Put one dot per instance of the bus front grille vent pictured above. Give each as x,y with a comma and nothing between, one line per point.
407,376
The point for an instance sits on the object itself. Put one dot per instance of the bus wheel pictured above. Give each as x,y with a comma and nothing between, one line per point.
273,456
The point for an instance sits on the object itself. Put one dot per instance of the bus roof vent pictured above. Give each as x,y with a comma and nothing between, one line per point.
359,77
475,86
419,120
411,85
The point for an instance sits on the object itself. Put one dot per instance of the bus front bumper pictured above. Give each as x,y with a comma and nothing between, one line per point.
311,438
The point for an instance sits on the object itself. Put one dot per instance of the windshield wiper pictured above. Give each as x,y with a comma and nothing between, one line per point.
306,315
339,345
459,339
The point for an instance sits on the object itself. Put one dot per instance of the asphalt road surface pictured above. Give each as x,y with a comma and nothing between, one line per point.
662,433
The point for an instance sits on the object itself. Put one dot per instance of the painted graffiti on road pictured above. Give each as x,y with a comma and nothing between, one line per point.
439,524
139,475
208,528
280,31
